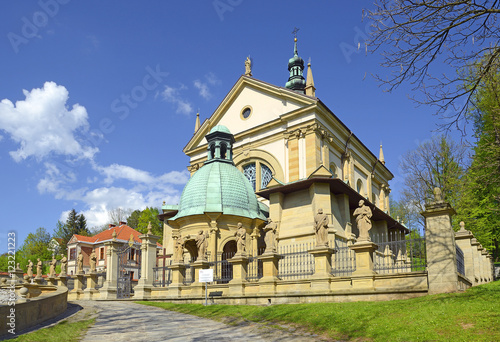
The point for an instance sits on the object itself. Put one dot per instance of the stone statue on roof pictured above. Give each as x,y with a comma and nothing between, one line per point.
248,67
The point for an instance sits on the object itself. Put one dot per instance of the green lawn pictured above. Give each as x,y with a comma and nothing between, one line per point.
470,316
61,332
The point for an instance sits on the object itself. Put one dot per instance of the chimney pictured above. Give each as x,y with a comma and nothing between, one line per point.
122,223
111,225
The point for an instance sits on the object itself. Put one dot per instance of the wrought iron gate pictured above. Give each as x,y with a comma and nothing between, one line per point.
129,269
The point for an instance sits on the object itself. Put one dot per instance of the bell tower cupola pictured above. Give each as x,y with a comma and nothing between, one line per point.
296,81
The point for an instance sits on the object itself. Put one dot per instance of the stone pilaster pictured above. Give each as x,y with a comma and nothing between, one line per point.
440,246
109,289
90,291
178,275
148,262
463,239
77,291
320,280
484,261
198,288
475,257
240,268
52,281
62,280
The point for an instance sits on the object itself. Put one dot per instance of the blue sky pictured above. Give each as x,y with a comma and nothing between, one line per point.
99,98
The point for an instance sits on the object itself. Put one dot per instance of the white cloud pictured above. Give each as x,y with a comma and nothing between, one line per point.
172,95
203,88
43,124
212,79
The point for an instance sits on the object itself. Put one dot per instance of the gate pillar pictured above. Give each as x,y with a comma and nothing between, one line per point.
148,262
109,290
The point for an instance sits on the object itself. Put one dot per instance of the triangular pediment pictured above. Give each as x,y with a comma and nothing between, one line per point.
321,172
266,102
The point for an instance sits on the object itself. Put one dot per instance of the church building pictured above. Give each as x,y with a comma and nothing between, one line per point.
279,153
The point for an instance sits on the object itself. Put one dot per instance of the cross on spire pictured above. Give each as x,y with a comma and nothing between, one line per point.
294,32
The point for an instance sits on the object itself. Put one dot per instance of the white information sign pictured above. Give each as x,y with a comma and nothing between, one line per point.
206,276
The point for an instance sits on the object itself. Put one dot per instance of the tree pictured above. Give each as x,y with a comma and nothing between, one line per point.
81,225
150,215
133,219
35,246
118,215
405,212
417,35
75,224
480,204
439,162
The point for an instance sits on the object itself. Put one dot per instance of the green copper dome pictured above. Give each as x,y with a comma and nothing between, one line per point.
218,186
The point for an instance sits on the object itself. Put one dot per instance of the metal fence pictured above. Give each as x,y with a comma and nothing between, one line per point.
398,253
296,262
344,259
223,271
162,276
255,267
460,261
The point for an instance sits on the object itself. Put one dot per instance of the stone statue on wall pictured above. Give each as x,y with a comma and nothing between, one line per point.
270,237
321,228
39,268
179,250
80,263
202,244
30,268
248,67
93,262
64,265
438,196
52,269
363,215
241,235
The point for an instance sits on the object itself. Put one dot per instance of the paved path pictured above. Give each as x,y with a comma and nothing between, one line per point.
127,321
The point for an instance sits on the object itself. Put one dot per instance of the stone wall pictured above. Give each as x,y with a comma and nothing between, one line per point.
37,310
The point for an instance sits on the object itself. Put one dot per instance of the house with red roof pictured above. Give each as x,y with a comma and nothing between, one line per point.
87,244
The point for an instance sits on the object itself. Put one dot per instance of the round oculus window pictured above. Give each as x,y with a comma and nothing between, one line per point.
246,113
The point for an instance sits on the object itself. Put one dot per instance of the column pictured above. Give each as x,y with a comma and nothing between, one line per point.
148,262
440,246
463,239
90,291
240,267
321,279
475,256
293,156
109,289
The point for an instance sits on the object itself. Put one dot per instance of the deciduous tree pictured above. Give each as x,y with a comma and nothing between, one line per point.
415,36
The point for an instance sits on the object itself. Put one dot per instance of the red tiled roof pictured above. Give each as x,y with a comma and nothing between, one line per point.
123,232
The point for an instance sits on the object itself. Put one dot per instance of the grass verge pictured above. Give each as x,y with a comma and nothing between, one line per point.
61,332
473,315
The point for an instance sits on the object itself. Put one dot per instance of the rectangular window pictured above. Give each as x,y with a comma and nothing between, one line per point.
101,253
72,254
132,254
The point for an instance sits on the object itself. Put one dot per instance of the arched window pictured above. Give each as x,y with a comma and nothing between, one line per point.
212,151
265,175
223,150
359,187
258,174
249,172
